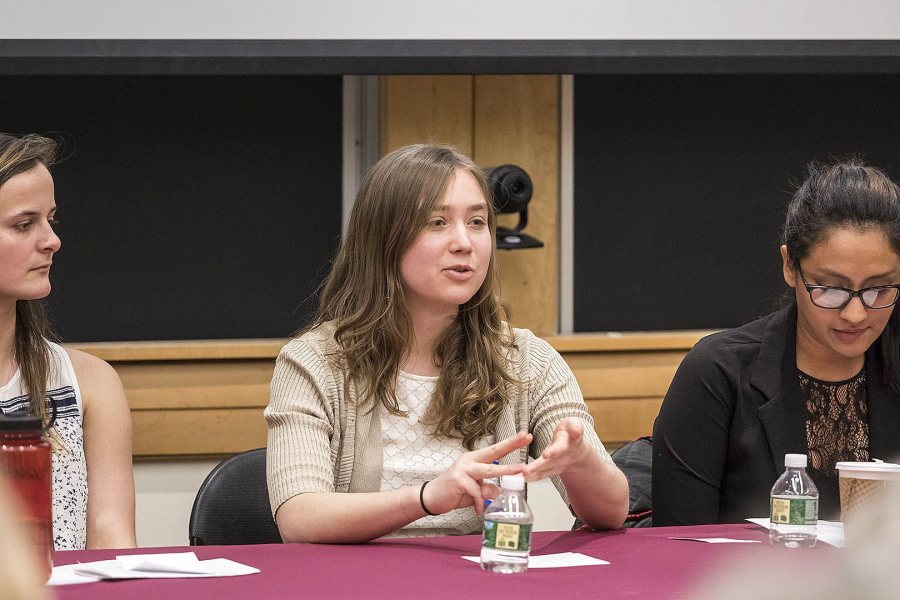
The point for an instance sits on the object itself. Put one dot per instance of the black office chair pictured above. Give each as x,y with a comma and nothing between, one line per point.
636,460
232,505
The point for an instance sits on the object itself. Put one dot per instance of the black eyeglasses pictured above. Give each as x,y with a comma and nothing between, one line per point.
827,296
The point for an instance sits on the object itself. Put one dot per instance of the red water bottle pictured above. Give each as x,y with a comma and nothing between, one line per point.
26,463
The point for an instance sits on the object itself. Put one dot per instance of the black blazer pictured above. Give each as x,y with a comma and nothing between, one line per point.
733,411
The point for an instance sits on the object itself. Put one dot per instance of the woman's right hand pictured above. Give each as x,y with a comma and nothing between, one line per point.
463,483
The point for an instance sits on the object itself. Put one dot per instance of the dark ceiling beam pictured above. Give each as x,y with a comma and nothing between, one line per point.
387,57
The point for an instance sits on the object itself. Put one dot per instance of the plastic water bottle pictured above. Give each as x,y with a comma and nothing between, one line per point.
794,506
507,529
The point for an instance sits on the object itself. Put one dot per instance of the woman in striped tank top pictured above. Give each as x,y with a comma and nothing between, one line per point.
93,484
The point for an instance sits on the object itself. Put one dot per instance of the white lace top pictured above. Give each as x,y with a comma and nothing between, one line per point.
69,469
413,455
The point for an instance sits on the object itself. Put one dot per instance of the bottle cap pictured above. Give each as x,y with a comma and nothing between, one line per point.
512,482
20,421
796,461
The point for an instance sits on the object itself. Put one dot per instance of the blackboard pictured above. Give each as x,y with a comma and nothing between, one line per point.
190,207
681,184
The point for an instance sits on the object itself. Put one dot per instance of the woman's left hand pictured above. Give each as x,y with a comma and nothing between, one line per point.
567,448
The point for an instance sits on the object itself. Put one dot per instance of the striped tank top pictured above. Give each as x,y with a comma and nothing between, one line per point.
70,493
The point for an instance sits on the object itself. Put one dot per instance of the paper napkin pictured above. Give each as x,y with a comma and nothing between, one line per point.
149,566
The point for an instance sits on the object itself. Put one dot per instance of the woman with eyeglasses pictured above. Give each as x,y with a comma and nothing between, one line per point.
820,377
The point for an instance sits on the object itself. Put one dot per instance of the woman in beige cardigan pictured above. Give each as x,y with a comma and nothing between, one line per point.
387,412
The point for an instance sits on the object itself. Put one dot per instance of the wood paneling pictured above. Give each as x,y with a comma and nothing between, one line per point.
197,431
620,420
197,405
517,121
185,349
197,384
495,120
623,389
622,342
426,108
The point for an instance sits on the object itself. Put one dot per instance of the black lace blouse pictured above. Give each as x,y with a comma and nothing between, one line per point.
837,421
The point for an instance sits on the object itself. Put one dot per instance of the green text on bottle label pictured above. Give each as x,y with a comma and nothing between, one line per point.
794,511
506,536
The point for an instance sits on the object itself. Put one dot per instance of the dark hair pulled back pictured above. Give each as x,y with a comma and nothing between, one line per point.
847,194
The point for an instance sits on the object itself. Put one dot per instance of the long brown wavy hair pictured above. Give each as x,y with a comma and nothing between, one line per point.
32,354
363,295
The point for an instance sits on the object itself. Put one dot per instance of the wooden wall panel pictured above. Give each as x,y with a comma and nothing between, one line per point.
620,420
197,431
426,108
196,384
623,390
517,121
495,119
202,404
184,409
197,407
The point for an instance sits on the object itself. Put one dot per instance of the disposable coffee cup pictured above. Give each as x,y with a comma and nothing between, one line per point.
864,487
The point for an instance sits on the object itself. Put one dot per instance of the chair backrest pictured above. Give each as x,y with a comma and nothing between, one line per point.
635,460
232,505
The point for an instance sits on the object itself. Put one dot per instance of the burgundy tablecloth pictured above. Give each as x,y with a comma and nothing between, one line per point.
645,564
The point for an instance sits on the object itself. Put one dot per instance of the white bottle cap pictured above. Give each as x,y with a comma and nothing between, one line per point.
512,482
796,461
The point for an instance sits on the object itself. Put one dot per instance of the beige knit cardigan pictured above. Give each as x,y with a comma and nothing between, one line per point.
319,441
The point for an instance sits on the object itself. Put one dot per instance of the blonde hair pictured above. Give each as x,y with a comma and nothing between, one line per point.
364,297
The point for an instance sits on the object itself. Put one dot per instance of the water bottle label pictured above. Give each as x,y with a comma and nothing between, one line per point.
506,536
794,511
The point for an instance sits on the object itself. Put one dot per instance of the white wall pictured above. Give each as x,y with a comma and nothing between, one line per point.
166,490
462,19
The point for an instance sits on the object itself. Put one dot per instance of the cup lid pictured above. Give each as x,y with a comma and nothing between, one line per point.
874,470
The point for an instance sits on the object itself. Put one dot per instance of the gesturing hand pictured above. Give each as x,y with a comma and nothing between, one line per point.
463,483
566,449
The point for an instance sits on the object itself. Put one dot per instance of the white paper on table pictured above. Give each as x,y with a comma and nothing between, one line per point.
552,561
716,540
176,562
66,575
149,566
829,532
